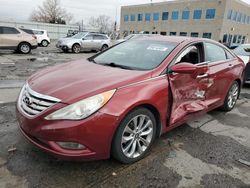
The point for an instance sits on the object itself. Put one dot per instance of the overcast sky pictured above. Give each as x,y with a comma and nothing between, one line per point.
81,9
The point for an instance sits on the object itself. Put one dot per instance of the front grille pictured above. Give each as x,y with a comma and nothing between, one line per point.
33,103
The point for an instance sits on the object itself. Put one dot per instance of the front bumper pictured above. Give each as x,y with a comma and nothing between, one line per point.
63,47
95,133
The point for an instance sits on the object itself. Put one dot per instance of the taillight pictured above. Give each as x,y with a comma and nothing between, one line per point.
34,36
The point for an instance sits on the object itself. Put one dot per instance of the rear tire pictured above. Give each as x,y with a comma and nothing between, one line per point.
134,136
44,43
231,97
24,48
76,48
104,47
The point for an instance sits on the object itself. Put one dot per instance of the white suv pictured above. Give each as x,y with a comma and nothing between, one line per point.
41,35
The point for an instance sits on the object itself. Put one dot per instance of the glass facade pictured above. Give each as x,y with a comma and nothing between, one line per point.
210,13
175,15
197,14
165,16
185,14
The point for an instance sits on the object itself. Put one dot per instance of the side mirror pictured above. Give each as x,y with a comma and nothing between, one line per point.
184,68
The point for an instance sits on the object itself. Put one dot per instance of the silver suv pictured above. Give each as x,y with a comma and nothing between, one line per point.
84,41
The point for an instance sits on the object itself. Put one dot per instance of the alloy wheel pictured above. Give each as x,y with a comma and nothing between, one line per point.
25,48
233,96
137,136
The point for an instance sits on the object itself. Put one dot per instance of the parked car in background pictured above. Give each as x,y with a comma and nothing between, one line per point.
119,101
15,39
134,36
42,36
243,52
84,41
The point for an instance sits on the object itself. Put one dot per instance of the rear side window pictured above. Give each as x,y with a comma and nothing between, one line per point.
38,32
100,37
89,37
214,53
29,31
9,30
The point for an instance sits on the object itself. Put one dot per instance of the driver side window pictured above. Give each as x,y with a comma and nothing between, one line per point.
189,55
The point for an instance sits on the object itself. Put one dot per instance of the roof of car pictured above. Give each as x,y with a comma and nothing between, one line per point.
174,39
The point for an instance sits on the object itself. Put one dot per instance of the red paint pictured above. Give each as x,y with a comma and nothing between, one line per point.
173,96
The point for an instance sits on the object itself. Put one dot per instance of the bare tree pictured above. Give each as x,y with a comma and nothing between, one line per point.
51,12
103,23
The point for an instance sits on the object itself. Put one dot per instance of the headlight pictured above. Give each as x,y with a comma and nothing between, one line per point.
83,108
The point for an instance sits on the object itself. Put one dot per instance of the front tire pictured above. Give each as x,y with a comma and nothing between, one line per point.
231,97
24,48
76,48
134,136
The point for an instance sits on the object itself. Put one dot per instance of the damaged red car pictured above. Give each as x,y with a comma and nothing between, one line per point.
119,101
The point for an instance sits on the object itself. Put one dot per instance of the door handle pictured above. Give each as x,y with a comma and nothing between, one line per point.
202,75
230,65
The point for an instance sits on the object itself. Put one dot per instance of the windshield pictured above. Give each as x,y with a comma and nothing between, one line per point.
137,54
79,35
243,50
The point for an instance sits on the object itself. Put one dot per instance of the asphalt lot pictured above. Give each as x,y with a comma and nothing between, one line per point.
205,152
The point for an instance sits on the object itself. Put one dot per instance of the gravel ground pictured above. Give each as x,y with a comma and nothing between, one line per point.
204,152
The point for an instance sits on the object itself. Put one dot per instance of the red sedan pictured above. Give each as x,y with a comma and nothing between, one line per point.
120,100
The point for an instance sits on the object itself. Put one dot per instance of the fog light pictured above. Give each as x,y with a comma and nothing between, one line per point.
71,145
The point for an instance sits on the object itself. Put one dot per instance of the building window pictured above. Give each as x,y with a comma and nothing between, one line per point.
207,35
197,14
229,14
234,15
156,16
239,17
175,15
163,33
243,39
165,16
184,34
172,33
147,17
244,19
235,39
185,14
193,34
126,18
210,14
248,19
140,17
225,37
239,39
132,17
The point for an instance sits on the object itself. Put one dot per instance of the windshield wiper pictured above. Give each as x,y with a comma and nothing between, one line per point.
112,64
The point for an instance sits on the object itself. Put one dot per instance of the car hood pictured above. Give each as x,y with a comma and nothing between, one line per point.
71,82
